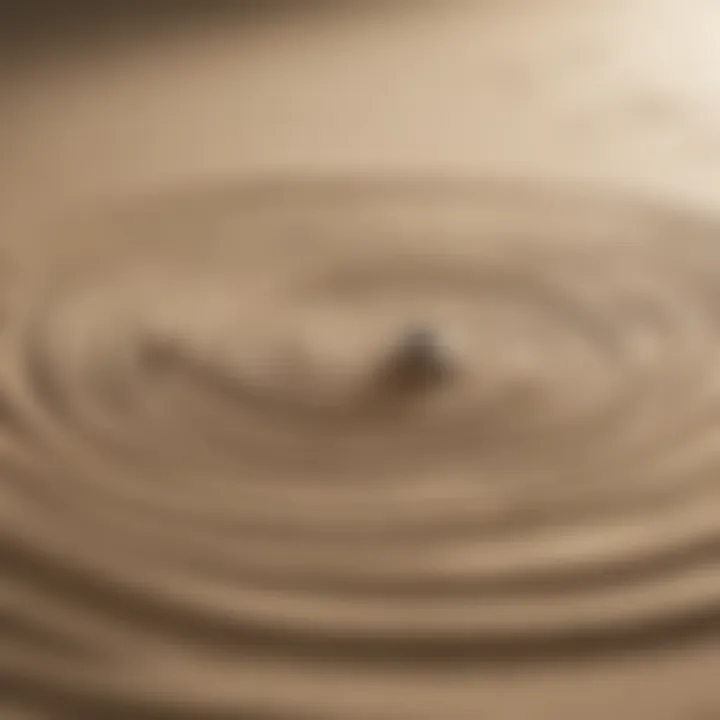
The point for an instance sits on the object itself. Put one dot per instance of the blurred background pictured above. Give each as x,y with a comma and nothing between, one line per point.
106,101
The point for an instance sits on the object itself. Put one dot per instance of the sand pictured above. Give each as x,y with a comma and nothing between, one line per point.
362,364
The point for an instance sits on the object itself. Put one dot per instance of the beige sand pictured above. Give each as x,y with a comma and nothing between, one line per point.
235,480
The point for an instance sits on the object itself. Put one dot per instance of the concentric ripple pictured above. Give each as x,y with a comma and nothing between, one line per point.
223,454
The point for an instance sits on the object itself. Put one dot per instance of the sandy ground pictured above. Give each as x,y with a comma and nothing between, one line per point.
618,94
